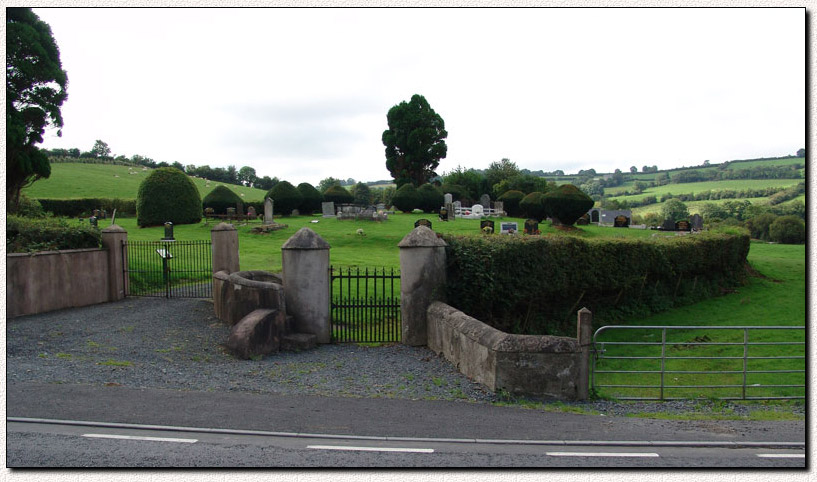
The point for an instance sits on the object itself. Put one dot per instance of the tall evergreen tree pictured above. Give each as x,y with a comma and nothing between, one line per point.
415,141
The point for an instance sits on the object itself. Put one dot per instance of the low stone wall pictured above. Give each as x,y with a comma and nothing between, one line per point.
236,295
522,365
53,280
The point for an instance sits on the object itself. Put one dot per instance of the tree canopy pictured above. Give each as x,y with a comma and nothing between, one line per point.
36,87
415,141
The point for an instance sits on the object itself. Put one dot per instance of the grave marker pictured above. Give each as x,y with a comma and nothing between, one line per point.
328,209
485,200
531,227
423,222
509,228
486,224
268,211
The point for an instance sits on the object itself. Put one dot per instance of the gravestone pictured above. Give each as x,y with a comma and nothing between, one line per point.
668,225
697,222
531,227
508,228
485,200
682,226
477,210
583,221
621,221
423,222
448,198
251,212
328,209
268,211
239,207
231,212
487,224
449,207
457,205
499,208
443,214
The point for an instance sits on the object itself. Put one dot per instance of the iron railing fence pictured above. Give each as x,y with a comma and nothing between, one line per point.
168,269
365,305
722,362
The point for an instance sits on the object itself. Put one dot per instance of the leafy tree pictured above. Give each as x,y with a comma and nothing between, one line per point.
759,225
801,152
285,198
415,141
266,183
312,198
362,194
640,186
338,195
247,176
788,230
500,171
431,198
327,183
633,169
167,194
675,209
101,150
566,204
406,198
36,87
473,181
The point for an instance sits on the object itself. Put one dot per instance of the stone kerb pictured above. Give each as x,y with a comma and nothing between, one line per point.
422,280
307,287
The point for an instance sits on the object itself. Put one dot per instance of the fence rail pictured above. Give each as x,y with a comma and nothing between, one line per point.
168,269
365,305
686,359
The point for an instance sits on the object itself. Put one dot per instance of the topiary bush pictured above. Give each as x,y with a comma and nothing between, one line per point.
338,195
788,230
285,197
566,204
406,199
531,206
167,194
431,198
220,199
311,198
511,200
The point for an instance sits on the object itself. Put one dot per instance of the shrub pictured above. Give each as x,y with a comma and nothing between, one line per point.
167,194
85,206
338,195
532,207
311,198
431,198
511,200
674,209
25,235
759,225
406,199
788,230
220,199
285,197
458,193
566,204
29,208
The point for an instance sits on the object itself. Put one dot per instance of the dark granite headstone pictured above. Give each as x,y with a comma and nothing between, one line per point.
668,225
443,214
697,222
621,221
531,226
486,224
683,226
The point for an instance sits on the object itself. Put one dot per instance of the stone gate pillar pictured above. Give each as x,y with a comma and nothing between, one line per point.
584,333
113,239
224,237
307,287
422,280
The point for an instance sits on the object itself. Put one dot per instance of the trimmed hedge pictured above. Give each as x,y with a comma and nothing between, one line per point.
221,198
532,207
338,195
167,194
406,199
431,198
311,198
510,201
535,285
285,198
85,207
566,204
24,235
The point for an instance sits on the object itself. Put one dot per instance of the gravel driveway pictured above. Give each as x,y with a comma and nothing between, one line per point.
176,344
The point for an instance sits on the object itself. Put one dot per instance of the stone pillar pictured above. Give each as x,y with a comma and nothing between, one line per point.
584,331
307,287
422,280
268,211
113,239
225,248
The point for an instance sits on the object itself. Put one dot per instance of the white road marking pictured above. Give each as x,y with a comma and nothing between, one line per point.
601,454
370,449
782,456
133,437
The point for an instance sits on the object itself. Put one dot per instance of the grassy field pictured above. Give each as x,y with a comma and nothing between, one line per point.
696,187
76,180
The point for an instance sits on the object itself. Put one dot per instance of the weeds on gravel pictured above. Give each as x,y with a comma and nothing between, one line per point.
115,363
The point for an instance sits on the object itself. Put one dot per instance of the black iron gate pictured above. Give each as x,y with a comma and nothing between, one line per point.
168,269
365,305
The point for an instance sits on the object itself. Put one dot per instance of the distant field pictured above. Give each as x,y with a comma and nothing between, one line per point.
696,187
695,206
76,180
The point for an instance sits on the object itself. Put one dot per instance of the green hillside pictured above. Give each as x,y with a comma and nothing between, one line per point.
77,180
697,187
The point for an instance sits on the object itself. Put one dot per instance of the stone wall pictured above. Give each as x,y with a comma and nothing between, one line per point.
236,295
522,365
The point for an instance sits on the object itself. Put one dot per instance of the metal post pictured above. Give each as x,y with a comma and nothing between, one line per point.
745,358
663,355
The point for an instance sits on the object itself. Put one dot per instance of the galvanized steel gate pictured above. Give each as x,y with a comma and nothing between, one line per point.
168,269
365,305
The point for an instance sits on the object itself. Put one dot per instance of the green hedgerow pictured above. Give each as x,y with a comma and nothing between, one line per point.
167,194
285,198
338,195
220,199
510,200
566,204
311,198
431,198
406,199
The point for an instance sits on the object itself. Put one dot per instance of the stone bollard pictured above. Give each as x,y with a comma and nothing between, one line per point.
307,287
225,248
422,280
113,240
584,331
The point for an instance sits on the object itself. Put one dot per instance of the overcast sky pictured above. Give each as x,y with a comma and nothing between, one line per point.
302,94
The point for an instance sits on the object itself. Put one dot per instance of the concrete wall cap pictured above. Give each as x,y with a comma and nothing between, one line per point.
421,237
223,227
305,238
114,228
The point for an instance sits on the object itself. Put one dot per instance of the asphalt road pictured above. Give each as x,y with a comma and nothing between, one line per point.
265,430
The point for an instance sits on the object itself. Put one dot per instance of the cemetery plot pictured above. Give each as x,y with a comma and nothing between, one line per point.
365,305
168,269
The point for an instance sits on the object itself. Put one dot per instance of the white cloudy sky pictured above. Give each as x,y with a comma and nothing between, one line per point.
302,94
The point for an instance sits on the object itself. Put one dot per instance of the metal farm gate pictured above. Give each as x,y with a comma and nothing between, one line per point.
168,269
365,305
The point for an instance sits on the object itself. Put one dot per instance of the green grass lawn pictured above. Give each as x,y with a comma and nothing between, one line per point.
696,187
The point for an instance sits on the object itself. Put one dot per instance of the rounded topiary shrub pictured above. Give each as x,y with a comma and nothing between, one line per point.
566,204
788,230
285,197
510,201
406,199
531,206
311,198
167,194
338,195
220,199
431,198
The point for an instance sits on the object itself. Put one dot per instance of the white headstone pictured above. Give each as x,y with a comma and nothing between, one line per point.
477,210
328,209
448,198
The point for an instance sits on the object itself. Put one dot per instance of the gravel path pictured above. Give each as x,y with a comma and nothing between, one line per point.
159,343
